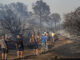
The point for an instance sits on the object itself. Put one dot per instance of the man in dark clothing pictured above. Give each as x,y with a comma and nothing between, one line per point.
19,46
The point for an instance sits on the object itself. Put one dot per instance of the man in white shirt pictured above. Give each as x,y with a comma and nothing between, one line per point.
4,47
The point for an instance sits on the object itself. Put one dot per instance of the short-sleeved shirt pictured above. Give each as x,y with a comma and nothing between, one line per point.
3,43
43,39
19,43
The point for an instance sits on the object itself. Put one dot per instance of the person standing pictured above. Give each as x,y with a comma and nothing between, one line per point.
33,42
43,42
52,35
37,44
4,47
19,46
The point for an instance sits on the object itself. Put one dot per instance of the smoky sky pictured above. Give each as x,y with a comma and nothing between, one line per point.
56,6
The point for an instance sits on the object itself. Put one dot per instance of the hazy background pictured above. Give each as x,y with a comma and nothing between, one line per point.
59,6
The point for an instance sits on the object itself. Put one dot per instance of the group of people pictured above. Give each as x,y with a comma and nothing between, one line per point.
38,43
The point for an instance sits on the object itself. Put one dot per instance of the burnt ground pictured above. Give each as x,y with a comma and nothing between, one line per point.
63,49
